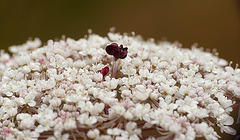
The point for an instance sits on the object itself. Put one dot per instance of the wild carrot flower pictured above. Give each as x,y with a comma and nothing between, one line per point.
54,91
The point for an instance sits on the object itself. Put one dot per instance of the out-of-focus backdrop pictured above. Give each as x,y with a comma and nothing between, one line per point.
210,23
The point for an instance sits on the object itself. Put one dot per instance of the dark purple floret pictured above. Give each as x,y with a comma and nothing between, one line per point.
104,71
123,53
112,48
117,51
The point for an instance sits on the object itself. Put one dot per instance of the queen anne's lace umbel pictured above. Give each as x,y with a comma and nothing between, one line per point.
66,89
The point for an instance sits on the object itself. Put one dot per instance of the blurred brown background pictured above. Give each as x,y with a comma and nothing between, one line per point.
210,23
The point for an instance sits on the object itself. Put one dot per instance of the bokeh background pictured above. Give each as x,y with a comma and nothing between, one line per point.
210,23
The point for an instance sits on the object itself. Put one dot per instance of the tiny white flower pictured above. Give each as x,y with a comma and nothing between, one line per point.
29,99
70,124
228,130
141,93
142,112
226,119
128,70
97,108
126,93
59,136
144,72
112,84
114,131
137,62
12,111
128,115
23,59
85,119
55,102
29,135
34,66
118,110
93,133
98,77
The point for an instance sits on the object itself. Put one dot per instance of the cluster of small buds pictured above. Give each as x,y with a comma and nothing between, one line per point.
65,90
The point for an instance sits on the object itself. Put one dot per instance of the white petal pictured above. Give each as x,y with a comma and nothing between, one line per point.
65,136
22,101
39,129
229,130
57,134
51,138
91,121
222,62
229,121
32,103
9,93
35,134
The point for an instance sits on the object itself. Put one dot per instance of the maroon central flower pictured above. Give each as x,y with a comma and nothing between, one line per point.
117,51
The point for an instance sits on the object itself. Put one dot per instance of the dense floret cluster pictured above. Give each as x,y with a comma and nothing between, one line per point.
75,89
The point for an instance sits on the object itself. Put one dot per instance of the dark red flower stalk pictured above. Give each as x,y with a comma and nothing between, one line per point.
104,71
117,52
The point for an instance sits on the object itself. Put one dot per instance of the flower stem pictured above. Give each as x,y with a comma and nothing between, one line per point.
114,68
238,118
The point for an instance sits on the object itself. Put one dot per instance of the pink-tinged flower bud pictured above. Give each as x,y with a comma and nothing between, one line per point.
104,71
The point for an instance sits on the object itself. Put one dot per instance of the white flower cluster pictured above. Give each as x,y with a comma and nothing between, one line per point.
55,91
